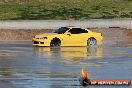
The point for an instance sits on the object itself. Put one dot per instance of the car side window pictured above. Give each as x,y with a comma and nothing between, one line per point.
77,31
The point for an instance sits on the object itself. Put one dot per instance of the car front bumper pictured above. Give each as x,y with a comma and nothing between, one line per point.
37,43
40,42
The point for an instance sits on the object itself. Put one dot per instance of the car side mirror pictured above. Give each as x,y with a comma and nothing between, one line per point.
69,33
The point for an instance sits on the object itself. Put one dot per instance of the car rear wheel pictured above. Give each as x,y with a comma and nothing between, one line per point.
55,42
91,41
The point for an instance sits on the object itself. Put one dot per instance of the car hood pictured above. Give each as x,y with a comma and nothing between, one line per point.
45,35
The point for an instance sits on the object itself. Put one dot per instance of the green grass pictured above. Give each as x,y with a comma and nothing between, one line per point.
65,9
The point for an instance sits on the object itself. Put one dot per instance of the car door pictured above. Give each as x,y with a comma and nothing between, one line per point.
77,36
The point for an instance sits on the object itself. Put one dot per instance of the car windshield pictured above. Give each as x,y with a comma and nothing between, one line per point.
61,30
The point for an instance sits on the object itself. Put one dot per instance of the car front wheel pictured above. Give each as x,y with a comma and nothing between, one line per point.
55,42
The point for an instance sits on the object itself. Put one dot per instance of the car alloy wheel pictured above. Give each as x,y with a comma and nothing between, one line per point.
91,42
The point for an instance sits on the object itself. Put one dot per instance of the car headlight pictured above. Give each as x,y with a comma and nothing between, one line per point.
44,38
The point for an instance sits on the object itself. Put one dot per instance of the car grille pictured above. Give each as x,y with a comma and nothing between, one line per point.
36,42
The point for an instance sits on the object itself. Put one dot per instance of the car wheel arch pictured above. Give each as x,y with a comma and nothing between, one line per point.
56,38
92,37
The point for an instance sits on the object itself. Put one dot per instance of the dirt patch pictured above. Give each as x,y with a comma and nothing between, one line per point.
120,36
20,34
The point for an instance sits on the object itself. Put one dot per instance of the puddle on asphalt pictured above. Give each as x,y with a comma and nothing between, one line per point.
24,66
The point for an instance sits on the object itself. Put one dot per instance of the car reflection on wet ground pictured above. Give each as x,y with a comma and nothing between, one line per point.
24,66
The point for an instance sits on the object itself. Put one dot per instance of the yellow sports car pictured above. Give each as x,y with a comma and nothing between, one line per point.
68,36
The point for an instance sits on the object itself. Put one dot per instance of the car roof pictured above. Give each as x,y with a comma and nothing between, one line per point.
77,27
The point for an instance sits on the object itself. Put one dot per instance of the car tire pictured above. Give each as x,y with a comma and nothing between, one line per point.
55,42
91,41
